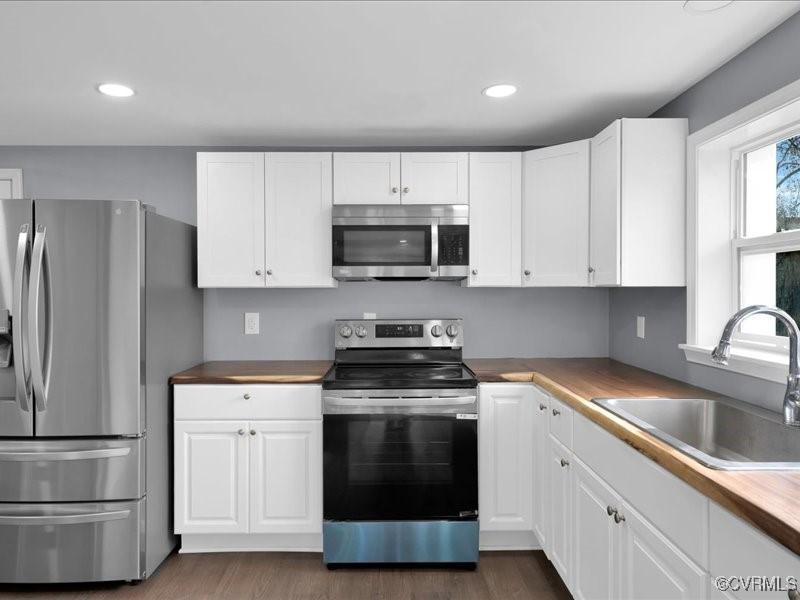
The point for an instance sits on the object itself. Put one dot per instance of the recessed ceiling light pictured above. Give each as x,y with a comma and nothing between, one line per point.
705,6
116,90
501,90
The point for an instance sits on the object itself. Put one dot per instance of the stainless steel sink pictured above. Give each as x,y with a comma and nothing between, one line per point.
721,434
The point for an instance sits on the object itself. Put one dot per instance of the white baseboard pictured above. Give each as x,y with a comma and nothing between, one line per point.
251,542
509,540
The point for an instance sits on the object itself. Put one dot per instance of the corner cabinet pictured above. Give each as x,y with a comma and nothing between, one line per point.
248,467
264,219
555,215
638,203
495,213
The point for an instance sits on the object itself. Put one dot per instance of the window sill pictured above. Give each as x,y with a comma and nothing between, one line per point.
764,364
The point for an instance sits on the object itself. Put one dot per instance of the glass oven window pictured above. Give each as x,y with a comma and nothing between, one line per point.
400,467
370,245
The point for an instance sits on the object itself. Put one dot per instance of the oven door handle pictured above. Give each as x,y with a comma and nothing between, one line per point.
399,404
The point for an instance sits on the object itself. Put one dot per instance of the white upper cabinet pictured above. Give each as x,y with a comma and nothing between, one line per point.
638,203
10,184
555,211
495,232
264,220
434,177
230,219
298,219
366,178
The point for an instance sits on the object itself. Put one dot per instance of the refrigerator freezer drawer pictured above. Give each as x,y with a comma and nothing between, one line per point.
49,543
71,470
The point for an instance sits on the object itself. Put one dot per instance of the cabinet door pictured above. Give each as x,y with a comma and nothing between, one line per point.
230,219
604,217
652,567
505,453
555,209
366,178
211,466
434,177
298,222
541,462
10,183
595,572
495,229
286,476
560,504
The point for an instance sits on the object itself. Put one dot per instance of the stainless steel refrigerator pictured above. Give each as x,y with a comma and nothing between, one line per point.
98,307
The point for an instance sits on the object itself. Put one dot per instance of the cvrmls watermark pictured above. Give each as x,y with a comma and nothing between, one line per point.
756,583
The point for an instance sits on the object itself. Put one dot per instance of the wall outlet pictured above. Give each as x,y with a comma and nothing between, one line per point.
251,323
640,327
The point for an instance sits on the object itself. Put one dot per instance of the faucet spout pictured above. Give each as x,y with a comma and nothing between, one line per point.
722,352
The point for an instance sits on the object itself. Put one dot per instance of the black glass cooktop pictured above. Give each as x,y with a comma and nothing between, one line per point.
399,376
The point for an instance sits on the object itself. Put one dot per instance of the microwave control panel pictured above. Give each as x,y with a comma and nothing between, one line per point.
453,245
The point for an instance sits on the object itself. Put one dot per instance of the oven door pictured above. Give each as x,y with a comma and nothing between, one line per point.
396,459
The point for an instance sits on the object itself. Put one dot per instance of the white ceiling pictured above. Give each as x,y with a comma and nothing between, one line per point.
353,73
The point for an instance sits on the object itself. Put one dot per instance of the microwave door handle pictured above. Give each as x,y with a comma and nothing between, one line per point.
434,246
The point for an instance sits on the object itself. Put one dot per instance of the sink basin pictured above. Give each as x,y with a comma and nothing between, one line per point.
721,434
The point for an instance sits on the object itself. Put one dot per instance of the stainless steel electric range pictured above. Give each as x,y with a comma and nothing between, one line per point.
400,440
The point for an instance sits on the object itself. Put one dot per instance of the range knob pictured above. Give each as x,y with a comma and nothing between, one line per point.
437,331
361,331
345,331
452,330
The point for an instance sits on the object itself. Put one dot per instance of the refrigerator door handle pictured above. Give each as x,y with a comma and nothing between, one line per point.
40,368
19,343
35,456
74,519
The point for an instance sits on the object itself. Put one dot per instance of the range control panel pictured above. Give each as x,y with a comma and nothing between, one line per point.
399,333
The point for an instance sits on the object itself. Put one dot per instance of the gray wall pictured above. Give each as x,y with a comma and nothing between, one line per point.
298,323
764,67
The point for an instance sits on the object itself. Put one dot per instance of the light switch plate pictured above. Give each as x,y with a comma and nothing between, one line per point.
251,323
640,327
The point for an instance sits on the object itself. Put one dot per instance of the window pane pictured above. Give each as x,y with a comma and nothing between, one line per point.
773,279
772,188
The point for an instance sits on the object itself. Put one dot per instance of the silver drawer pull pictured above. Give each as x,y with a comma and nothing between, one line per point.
618,518
24,456
556,412
76,519
565,463
543,407
610,510
247,396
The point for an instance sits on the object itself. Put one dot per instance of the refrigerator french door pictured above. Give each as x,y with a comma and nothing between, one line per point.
72,422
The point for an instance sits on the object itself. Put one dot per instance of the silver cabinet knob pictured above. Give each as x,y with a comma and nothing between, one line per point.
269,271
474,271
527,272
556,412
618,518
406,190
543,407
258,272
437,331
252,432
247,396
394,190
564,462
591,269
241,432
610,510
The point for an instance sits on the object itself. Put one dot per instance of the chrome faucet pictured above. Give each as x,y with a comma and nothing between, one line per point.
722,352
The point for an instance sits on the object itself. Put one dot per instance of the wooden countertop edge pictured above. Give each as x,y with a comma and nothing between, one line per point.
244,379
701,478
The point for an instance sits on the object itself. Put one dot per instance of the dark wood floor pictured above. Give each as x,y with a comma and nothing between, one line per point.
285,576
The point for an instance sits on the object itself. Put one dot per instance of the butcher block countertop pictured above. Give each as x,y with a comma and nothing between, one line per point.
766,499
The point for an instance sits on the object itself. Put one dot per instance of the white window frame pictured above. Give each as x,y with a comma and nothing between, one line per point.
715,202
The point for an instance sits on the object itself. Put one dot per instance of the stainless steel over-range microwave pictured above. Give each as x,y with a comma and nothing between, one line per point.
400,241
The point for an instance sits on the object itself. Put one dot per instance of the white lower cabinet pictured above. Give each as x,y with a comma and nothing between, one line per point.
211,475
248,484
541,461
559,485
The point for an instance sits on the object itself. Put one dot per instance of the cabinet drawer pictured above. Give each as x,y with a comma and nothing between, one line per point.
676,509
739,550
225,401
560,416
